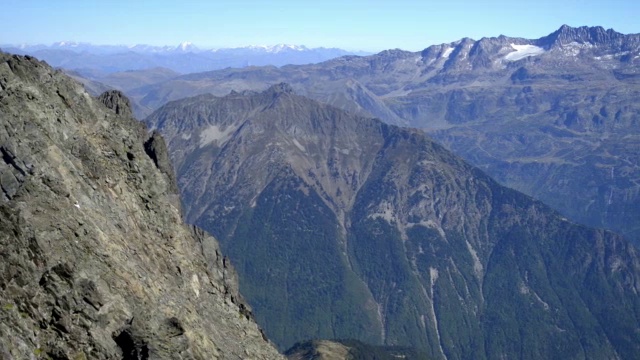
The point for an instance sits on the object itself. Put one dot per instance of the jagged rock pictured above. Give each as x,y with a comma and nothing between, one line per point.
95,262
591,35
156,149
116,101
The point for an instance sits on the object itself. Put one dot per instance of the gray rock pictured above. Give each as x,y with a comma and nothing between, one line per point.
95,262
116,101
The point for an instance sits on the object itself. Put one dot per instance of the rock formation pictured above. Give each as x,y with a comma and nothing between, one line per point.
95,262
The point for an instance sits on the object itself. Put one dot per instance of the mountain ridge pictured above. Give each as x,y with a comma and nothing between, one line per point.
185,46
96,261
407,239
552,121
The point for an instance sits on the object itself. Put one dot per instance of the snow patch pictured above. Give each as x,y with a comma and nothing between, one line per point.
612,56
447,52
298,145
433,275
477,265
574,48
385,211
185,136
523,51
186,45
214,134
274,49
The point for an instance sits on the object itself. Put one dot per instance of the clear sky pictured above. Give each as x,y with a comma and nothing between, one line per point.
350,24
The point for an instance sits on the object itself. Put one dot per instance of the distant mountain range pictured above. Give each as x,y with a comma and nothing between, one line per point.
183,58
183,47
555,117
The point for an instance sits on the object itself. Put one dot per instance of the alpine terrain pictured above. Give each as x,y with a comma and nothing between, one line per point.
341,227
95,261
554,117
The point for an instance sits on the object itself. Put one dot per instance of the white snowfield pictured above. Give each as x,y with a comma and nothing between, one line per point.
215,134
447,52
522,51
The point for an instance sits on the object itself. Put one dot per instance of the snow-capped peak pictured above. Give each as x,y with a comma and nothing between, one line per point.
284,47
67,44
277,48
184,46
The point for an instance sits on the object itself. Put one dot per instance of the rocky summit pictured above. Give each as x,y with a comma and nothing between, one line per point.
343,226
95,261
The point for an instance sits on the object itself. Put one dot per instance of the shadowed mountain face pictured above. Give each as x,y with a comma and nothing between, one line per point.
95,261
555,117
345,227
350,350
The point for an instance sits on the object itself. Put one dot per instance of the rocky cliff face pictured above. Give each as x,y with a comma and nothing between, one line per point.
343,226
95,262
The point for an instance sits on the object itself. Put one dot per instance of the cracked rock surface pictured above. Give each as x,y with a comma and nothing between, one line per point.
95,261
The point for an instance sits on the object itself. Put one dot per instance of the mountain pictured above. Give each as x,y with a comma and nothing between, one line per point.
555,117
95,261
131,79
96,82
183,58
341,226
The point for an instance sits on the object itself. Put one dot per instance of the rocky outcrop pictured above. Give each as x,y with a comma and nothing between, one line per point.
350,350
596,35
95,262
116,101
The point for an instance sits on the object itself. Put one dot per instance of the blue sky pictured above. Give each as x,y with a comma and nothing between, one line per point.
354,25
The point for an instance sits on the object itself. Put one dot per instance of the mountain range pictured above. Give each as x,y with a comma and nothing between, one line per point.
183,58
554,117
341,226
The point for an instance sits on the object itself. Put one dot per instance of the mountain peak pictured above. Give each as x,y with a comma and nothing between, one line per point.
281,88
277,48
584,34
186,46
290,176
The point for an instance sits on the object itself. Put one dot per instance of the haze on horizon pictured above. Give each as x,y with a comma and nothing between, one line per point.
352,25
